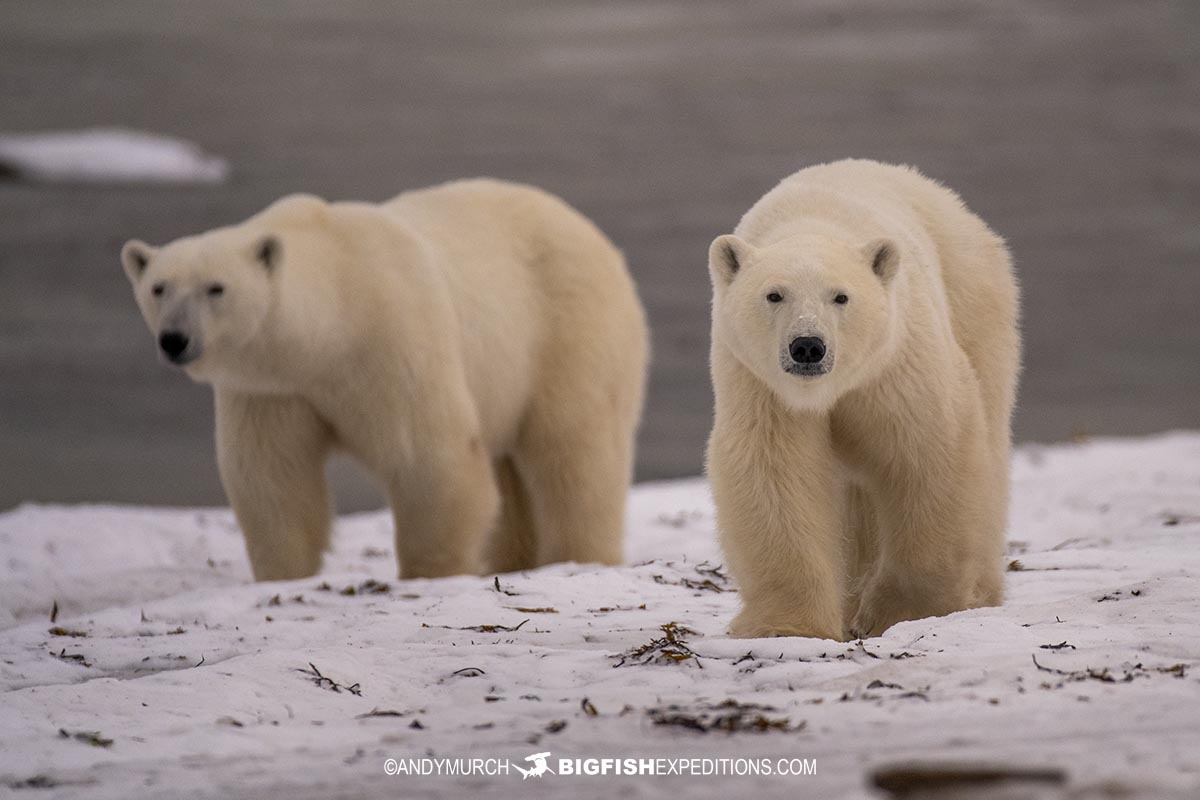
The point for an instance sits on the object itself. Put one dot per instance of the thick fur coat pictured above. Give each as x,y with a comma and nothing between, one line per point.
865,354
479,347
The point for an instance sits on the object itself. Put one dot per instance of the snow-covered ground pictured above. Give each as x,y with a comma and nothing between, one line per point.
167,673
107,155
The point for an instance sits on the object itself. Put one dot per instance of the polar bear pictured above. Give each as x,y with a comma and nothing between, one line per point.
865,353
478,346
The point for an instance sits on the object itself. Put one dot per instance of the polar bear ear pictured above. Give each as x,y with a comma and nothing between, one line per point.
884,258
268,251
135,256
726,257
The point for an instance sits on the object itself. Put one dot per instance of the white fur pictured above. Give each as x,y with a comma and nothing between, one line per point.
478,346
878,491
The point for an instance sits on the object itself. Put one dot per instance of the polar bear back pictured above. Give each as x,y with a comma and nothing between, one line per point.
533,284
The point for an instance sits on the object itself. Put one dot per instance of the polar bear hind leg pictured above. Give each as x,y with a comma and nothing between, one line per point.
513,543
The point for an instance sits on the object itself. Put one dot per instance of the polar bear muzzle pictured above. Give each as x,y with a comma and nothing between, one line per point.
807,356
178,347
807,350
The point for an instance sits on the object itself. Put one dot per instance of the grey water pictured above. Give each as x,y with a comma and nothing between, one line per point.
1073,129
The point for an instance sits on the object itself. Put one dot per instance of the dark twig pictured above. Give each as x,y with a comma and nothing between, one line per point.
324,682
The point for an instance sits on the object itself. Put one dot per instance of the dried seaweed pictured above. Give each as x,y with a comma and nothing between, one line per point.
716,572
1105,675
381,712
60,631
369,586
277,600
610,609
729,716
479,628
706,585
469,672
670,648
501,590
75,658
1117,595
867,695
87,737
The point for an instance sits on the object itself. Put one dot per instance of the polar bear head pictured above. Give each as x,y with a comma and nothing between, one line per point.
812,316
207,298
204,297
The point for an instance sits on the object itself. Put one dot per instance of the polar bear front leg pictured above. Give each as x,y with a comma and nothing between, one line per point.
271,453
938,537
781,531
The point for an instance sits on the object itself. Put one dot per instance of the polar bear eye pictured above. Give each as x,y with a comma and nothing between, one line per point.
774,297
841,299
216,290
158,289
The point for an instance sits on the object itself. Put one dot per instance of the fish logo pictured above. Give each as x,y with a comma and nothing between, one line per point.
539,768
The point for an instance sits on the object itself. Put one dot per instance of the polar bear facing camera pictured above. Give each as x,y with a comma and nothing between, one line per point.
865,353
478,346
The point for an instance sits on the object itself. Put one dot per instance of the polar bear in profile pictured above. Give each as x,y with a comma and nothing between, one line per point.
478,346
865,354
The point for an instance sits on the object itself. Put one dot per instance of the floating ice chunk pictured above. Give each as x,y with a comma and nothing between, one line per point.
107,155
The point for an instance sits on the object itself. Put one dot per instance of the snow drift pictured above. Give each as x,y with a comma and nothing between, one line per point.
167,673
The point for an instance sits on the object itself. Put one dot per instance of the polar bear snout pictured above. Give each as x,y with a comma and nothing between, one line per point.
807,349
807,357
177,347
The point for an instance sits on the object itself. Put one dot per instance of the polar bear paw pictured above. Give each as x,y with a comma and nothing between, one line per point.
751,626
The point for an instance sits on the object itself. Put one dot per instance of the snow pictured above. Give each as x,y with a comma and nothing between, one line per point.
107,155
202,680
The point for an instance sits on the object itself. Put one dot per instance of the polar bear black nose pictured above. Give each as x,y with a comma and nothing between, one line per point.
807,349
173,343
